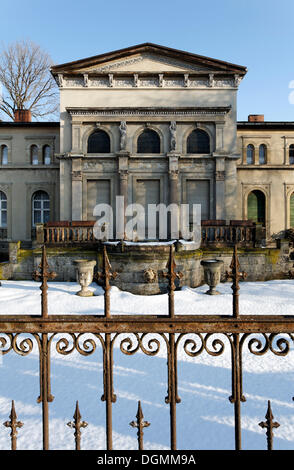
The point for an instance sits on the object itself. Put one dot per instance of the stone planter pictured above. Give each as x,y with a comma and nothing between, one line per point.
85,271
212,274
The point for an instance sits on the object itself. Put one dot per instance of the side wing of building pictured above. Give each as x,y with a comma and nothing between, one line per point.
266,174
29,177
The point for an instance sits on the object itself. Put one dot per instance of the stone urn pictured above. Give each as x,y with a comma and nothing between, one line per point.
85,271
212,274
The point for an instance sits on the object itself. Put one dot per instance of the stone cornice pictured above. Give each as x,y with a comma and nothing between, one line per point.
147,80
162,112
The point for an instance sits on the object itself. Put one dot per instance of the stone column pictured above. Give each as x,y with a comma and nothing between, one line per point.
173,173
173,187
220,205
123,165
77,189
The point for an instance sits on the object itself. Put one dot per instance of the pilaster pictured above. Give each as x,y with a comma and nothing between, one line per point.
220,175
77,189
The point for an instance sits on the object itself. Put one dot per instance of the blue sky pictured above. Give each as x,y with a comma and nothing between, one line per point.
254,33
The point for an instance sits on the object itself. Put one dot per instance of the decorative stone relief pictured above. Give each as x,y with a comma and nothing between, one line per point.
224,82
93,166
174,82
99,81
160,80
150,275
148,82
73,82
198,82
124,82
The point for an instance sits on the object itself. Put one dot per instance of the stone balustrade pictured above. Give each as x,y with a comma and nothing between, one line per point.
214,232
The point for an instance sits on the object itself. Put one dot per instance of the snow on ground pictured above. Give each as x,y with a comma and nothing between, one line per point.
204,416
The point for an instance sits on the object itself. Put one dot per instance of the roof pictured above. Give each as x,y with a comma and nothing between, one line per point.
155,49
265,125
30,124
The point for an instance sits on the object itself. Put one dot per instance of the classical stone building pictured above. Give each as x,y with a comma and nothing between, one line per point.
155,125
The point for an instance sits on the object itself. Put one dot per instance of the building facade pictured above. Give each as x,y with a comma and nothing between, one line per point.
152,124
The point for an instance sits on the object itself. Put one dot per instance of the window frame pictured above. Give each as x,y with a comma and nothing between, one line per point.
40,209
32,155
262,146
100,151
3,199
250,147
45,147
4,147
291,150
156,143
199,151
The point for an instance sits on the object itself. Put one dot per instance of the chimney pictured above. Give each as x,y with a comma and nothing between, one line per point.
256,118
22,115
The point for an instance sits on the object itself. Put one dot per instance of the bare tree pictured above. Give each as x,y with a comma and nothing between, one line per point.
26,80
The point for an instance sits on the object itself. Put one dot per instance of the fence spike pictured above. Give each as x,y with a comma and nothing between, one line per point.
105,277
77,424
269,424
235,274
13,424
171,275
140,424
43,273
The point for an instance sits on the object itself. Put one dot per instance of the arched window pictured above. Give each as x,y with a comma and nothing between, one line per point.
99,142
46,154
40,208
262,154
34,155
291,154
256,207
198,142
148,142
250,154
4,154
3,209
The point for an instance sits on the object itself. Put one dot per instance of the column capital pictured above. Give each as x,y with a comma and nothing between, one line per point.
123,174
173,174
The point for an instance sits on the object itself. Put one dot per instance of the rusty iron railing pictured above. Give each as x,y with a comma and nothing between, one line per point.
193,334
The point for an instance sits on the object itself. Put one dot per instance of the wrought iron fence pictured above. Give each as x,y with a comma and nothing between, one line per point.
193,333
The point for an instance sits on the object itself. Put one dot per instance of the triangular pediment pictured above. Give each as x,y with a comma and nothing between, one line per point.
145,62
149,58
